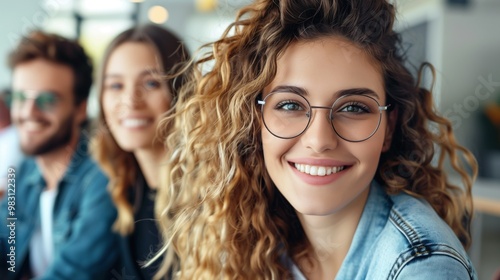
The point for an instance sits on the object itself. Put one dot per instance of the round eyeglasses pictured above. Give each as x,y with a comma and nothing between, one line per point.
354,118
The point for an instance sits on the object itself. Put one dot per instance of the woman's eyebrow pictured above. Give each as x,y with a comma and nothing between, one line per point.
289,88
145,72
151,72
337,94
357,91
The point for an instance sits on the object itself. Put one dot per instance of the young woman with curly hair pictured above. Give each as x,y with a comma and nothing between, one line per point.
135,93
307,152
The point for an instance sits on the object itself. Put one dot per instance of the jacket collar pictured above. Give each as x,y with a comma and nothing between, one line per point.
373,220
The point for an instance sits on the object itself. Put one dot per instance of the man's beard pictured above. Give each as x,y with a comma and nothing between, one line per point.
56,141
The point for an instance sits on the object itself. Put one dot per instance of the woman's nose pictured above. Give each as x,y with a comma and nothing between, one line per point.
133,97
319,135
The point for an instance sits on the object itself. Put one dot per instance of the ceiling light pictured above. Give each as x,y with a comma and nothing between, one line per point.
158,14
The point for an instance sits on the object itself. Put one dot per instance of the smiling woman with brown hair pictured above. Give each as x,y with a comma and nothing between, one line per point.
135,93
306,152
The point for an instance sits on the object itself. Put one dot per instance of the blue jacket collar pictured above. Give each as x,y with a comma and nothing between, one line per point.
372,222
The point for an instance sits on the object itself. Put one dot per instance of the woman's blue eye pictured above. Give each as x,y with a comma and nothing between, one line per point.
289,106
151,84
355,108
114,86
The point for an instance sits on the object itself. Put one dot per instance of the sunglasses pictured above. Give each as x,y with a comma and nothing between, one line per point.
44,101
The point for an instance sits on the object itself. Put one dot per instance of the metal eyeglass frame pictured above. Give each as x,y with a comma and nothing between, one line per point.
309,114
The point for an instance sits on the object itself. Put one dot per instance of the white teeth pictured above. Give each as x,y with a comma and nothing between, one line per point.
321,171
318,170
134,122
313,170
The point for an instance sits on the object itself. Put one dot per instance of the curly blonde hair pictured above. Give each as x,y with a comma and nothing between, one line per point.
220,210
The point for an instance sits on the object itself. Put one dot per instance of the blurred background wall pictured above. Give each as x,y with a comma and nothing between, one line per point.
15,19
461,38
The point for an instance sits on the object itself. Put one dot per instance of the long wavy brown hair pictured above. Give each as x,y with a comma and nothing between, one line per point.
121,166
220,210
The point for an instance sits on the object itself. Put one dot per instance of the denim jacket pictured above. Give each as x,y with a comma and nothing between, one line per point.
84,245
401,237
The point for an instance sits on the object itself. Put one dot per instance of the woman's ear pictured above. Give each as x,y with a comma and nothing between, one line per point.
391,125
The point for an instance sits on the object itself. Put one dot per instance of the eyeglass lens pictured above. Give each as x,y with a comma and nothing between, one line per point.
353,117
44,101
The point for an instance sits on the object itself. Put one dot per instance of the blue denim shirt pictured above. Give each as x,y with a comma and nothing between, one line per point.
84,245
401,237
